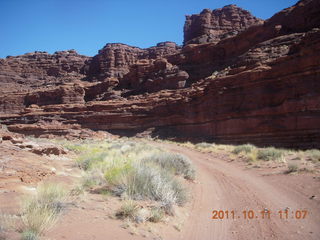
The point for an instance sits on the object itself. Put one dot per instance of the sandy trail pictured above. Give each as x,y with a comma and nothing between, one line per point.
225,186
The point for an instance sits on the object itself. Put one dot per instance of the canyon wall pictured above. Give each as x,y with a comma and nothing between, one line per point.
215,25
259,84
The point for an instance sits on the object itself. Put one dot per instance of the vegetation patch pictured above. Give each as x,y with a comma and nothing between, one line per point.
309,160
246,148
270,154
176,163
292,168
135,171
129,209
314,155
156,215
41,211
203,145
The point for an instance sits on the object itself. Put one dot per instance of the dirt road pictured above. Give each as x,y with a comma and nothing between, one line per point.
220,185
228,187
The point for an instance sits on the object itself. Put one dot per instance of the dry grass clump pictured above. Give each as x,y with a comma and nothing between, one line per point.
252,156
29,235
292,167
94,177
270,153
156,214
5,223
8,222
313,154
203,145
128,209
173,162
150,182
41,211
245,148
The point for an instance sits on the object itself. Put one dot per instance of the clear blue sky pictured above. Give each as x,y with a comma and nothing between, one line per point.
87,25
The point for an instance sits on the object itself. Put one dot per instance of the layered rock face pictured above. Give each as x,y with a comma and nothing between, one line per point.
152,76
114,60
213,26
41,69
259,86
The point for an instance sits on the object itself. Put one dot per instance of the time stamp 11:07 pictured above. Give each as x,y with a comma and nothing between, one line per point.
260,214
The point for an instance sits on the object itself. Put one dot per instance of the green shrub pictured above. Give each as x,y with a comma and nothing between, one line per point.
85,162
270,153
114,172
246,148
136,171
173,162
151,182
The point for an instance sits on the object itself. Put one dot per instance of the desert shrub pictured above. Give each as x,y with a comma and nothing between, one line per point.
38,218
7,222
292,168
94,177
252,156
145,182
41,211
73,147
173,162
203,145
190,174
2,225
142,215
86,147
314,155
156,215
52,195
150,182
115,172
29,235
180,192
245,148
135,171
270,153
87,161
128,209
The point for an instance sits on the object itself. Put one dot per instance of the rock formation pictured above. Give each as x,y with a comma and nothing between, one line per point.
41,69
213,26
115,59
247,81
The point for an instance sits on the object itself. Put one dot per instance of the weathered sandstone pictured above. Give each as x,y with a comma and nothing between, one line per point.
260,85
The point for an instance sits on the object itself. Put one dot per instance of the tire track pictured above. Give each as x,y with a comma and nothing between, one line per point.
223,186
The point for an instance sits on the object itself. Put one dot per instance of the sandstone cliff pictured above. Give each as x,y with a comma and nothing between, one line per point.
248,81
213,26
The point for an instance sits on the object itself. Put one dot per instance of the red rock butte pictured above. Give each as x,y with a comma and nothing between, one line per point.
236,79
